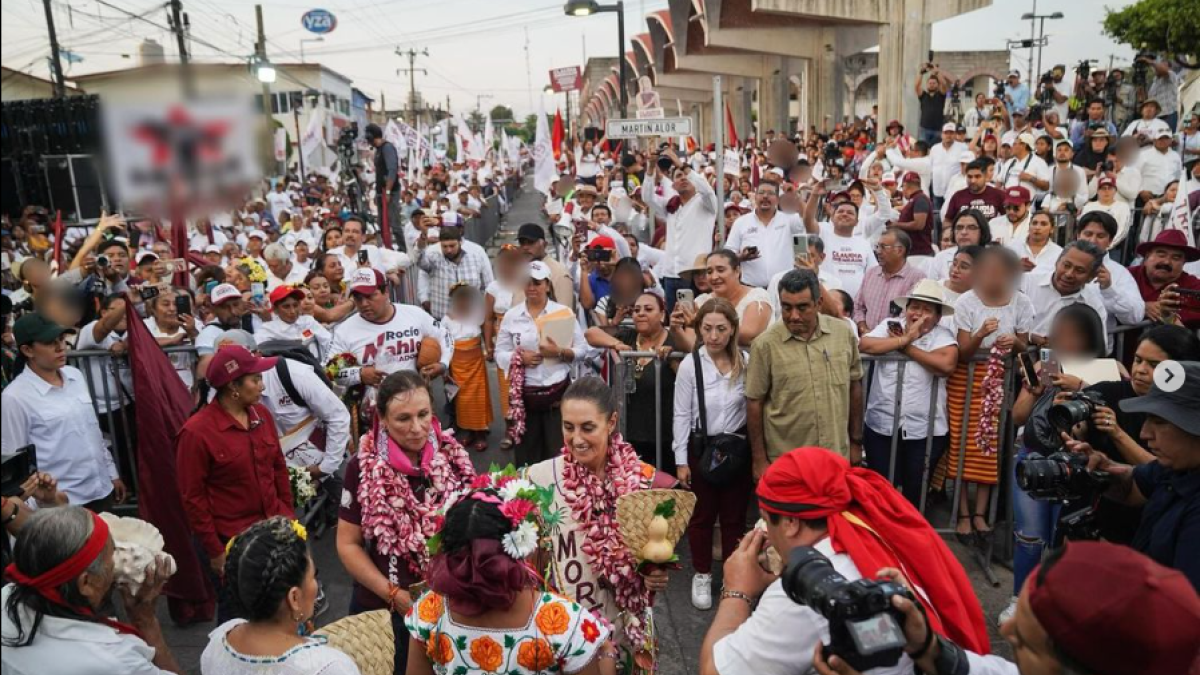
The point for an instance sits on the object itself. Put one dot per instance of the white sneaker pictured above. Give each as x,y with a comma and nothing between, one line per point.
1008,612
702,591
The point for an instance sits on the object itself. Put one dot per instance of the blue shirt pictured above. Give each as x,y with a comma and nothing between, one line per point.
1020,97
600,286
1078,127
1170,529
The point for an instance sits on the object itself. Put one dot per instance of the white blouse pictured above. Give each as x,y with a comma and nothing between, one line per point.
724,402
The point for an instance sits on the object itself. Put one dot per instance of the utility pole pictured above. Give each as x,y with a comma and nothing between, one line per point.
479,98
412,55
1032,42
528,70
60,84
260,50
177,19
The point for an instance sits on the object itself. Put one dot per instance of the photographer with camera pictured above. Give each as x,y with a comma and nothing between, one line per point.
1164,88
1048,95
1083,130
1073,617
931,87
811,497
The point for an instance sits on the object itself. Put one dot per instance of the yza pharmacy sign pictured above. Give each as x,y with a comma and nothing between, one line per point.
319,21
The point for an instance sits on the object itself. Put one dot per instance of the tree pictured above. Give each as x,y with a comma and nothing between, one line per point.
502,114
1168,26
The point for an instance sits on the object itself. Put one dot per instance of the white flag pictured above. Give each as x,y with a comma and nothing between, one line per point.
1181,217
544,174
313,137
465,140
503,150
489,133
394,135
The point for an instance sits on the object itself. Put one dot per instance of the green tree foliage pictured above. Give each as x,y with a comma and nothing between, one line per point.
1167,26
502,114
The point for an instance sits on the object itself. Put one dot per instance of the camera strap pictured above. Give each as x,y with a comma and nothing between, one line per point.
700,393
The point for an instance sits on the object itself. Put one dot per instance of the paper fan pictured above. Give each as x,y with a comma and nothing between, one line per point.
642,514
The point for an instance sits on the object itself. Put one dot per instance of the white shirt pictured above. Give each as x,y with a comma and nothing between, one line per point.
518,330
182,361
690,228
1047,301
305,330
72,647
780,636
296,423
774,242
922,165
918,382
294,276
1129,184
1120,212
724,402
1043,261
280,202
1005,232
830,282
1081,184
945,165
112,380
391,346
1122,298
220,658
1016,317
648,256
384,260
1158,168
873,218
1009,173
846,258
1147,128
61,423
938,267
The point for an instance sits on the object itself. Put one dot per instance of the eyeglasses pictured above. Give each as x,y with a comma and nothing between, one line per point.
887,247
967,228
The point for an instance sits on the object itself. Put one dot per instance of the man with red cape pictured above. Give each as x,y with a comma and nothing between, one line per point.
856,519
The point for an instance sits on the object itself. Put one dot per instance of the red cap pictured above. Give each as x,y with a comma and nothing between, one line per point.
602,242
232,362
1106,181
1116,611
366,280
1016,195
283,292
910,177
894,123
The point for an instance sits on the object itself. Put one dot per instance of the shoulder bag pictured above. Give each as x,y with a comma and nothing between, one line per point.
721,458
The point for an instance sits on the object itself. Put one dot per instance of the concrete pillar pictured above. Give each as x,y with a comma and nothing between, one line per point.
903,47
772,95
738,95
823,94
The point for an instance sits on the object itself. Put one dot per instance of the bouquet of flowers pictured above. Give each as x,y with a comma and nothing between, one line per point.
258,273
987,433
303,487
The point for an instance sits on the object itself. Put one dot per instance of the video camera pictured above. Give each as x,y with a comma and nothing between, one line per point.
1083,69
15,469
998,90
864,629
1141,69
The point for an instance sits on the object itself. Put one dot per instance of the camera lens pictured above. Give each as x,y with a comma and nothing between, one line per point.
810,578
1064,416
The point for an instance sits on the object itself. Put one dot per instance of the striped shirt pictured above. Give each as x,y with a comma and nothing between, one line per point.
879,289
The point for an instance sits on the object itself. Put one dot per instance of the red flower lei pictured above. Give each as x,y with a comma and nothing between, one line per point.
516,398
393,518
593,504
987,432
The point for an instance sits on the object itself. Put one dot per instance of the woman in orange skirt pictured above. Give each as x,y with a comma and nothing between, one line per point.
468,382
504,292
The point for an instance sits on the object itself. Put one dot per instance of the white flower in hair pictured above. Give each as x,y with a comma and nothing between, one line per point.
521,542
511,489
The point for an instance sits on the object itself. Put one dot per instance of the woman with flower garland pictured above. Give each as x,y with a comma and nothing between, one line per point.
586,560
487,611
405,459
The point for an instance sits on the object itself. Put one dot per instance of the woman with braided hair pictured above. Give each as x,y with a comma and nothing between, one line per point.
271,586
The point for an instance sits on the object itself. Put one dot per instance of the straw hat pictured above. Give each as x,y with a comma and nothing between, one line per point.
636,509
927,290
366,638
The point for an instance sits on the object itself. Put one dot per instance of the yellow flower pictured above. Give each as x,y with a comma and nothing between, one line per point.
299,530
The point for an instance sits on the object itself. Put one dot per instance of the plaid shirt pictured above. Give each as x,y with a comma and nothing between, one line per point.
471,268
879,289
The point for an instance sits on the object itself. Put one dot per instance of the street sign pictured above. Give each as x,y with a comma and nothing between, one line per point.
651,114
667,126
319,21
566,79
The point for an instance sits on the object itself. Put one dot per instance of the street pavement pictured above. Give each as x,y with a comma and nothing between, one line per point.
680,626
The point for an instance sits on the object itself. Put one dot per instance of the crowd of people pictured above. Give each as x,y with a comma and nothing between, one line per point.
849,340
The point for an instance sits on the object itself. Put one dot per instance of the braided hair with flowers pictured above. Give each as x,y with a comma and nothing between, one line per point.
262,564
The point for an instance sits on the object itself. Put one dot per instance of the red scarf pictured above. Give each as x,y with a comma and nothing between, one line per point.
46,584
877,527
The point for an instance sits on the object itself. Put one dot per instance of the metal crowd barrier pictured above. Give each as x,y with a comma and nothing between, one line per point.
481,229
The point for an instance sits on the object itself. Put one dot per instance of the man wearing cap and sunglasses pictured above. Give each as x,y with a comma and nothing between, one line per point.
1013,224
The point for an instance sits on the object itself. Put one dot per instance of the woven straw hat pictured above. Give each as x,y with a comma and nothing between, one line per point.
636,509
366,638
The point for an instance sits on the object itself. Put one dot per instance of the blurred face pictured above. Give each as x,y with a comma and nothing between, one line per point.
723,278
249,387
1095,233
47,356
372,306
647,315
1163,265
1174,448
409,418
715,332
799,311
962,272
926,314
1040,229
1072,271
288,310
586,430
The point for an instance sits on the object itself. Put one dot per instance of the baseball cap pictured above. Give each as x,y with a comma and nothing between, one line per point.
1028,139
531,232
212,248
888,179
1008,138
967,157
539,270
1063,141
602,242
366,280
34,327
1163,133
143,256
1088,616
949,126
1014,73
283,292
236,336
1100,133
1106,180
1016,195
223,293
257,233
231,362
910,177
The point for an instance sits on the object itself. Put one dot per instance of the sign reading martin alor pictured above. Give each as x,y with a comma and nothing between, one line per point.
666,126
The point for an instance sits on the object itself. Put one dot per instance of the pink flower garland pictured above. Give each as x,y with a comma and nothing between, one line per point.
987,433
516,398
393,518
593,504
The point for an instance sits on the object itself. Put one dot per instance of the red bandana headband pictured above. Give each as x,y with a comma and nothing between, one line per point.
46,584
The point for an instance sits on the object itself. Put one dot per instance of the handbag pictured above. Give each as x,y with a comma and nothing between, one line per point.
541,399
722,458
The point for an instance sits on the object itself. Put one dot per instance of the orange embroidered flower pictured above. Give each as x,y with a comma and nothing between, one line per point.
647,471
552,619
535,654
440,649
430,608
590,630
487,654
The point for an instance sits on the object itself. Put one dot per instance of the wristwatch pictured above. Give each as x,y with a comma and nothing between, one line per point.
951,660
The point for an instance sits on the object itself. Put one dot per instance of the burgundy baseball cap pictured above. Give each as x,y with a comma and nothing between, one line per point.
1016,195
1118,612
366,280
1106,180
230,363
910,177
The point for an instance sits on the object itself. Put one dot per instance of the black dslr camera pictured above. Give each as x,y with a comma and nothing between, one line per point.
1060,476
864,629
1079,407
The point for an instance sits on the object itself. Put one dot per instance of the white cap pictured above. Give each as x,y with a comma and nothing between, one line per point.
778,172
257,233
1163,132
949,126
967,157
224,292
212,248
451,218
539,270
142,255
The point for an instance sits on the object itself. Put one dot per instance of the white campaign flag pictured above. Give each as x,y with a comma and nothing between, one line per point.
394,135
465,140
489,133
503,163
313,137
1181,217
544,174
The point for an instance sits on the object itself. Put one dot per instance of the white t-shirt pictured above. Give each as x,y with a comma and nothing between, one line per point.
914,406
753,295
390,347
847,258
280,202
183,362
1015,317
773,240
1043,261
306,330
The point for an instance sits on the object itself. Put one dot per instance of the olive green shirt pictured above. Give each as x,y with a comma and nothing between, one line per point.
804,386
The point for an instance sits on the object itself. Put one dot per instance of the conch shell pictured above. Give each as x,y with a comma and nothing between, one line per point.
137,544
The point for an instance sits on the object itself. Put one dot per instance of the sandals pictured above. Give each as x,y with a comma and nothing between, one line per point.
966,538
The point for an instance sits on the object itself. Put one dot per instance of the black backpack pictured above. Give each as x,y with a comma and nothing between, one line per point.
293,350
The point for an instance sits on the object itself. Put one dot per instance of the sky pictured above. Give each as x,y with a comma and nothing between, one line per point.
477,48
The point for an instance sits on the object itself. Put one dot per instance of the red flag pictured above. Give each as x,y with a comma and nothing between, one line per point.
180,246
691,144
730,129
755,173
162,405
557,133
58,241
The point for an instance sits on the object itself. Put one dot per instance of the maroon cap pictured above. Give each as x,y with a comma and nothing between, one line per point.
1106,180
366,280
910,177
1016,195
1170,239
894,123
1117,612
232,362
